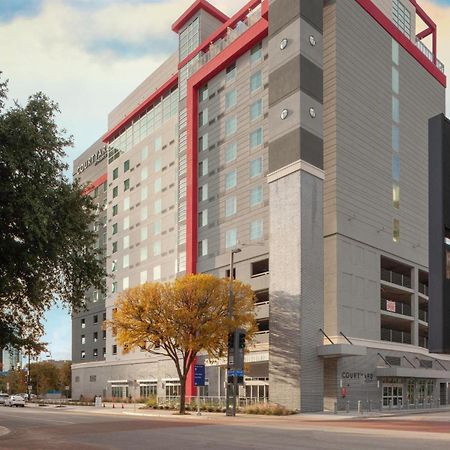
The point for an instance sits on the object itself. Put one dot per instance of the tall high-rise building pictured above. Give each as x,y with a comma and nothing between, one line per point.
297,132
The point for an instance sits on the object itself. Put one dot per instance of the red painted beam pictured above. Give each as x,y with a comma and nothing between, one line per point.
193,9
169,84
98,182
221,31
405,42
242,44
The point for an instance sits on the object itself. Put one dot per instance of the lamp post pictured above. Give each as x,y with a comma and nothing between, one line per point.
231,388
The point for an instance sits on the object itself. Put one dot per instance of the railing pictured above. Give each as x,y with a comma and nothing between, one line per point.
396,278
231,35
429,54
423,341
366,406
423,315
423,289
397,307
212,402
388,334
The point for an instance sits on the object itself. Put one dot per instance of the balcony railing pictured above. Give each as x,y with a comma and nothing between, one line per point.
423,315
429,54
231,35
388,334
395,307
423,289
396,278
423,341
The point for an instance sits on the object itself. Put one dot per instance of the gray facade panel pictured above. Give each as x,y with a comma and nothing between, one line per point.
284,81
311,79
282,12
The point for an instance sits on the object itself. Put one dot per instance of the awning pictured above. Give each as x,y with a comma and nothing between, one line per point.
341,350
409,372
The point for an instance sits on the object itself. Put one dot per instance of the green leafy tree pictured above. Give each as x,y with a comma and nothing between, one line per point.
182,318
46,247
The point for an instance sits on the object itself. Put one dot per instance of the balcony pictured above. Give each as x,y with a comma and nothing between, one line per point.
429,54
392,335
396,278
423,315
423,341
395,307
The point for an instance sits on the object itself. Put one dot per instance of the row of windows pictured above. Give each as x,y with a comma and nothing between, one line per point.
94,320
94,353
395,137
256,194
143,277
255,139
231,237
94,337
255,170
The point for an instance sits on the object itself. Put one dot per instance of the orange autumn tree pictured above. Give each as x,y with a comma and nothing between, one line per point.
181,318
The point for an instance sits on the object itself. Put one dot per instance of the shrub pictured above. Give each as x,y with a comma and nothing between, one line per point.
267,409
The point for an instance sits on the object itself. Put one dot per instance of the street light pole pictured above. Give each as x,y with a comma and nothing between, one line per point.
231,388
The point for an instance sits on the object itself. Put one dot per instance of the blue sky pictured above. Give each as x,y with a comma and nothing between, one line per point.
89,54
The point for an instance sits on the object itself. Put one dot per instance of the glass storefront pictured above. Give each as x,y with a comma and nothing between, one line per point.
397,392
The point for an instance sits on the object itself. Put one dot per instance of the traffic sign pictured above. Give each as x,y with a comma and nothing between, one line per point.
199,375
236,373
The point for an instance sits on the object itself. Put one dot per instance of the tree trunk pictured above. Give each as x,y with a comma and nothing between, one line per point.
183,395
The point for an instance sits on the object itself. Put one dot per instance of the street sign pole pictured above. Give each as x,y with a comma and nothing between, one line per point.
199,380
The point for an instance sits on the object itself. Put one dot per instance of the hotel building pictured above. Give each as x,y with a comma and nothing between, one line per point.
297,132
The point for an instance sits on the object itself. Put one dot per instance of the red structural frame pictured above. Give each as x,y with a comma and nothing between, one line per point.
124,123
243,43
98,182
406,43
193,9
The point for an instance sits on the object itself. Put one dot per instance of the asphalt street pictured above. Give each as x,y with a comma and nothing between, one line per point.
66,429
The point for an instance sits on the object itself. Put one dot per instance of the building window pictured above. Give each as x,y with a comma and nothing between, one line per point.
144,193
395,52
395,110
203,193
231,72
104,331
115,210
231,238
114,247
203,218
156,228
114,349
115,192
157,206
156,273
144,173
157,144
126,203
255,81
148,389
396,167
395,230
115,228
143,253
126,241
401,17
203,168
144,153
125,283
395,138
256,138
83,354
125,261
95,354
230,180
144,233
260,267
126,184
230,99
395,81
156,248
143,277
203,247
95,336
230,152
113,265
126,165
256,167
203,142
95,318
203,118
256,110
230,126
203,93
115,173
157,165
157,185
189,39
114,287
256,196
230,206
256,53
83,339
256,229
